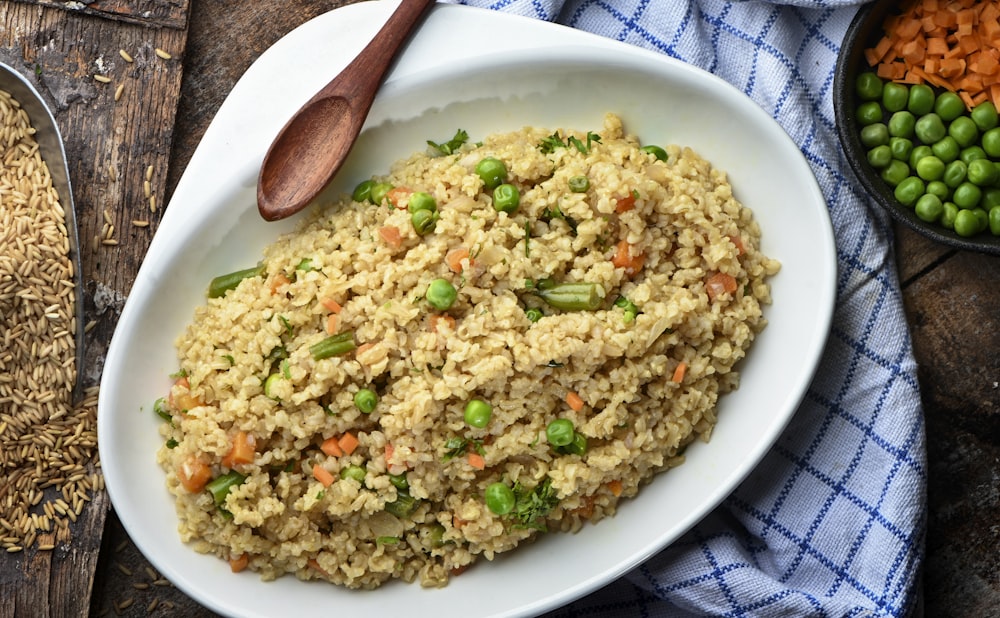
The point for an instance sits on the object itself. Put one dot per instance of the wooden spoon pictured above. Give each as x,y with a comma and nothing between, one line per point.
311,147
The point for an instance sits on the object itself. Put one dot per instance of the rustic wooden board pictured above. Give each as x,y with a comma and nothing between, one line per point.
60,51
165,13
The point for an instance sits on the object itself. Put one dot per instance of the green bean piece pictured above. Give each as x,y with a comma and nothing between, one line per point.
895,96
909,191
576,296
421,201
560,432
365,400
223,283
901,148
499,498
334,345
579,184
355,472
424,221
949,106
399,481
492,171
868,86
984,115
363,192
478,413
929,208
404,506
220,486
921,99
656,151
378,191
506,198
441,294
869,113
533,314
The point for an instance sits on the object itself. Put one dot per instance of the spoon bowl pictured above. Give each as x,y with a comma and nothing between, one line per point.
311,147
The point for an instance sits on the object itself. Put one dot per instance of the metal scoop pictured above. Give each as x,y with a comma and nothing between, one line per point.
50,147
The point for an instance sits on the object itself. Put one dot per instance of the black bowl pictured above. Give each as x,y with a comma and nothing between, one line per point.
864,32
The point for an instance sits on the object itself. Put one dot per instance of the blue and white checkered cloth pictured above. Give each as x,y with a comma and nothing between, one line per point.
832,521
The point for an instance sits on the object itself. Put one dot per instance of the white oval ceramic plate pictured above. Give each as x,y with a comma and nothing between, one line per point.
536,74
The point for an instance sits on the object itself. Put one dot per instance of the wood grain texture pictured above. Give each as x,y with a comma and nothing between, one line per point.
152,13
60,51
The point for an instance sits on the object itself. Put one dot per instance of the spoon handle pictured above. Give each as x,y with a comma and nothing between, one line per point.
356,82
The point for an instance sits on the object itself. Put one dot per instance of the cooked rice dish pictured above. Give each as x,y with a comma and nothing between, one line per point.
390,394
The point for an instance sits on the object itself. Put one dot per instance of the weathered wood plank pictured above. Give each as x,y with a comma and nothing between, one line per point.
60,51
156,13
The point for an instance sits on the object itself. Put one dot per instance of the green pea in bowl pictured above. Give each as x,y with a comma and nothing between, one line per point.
935,186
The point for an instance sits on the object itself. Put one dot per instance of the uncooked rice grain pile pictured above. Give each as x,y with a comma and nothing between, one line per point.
48,445
321,425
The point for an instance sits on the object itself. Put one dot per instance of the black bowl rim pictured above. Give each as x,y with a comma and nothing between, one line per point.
848,62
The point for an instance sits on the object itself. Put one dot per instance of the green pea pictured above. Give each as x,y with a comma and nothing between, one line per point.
929,128
964,130
578,446
994,217
909,190
948,214
971,153
929,208
984,115
954,173
991,142
363,191
506,198
365,400
949,106
966,223
946,149
499,498
421,201
901,124
921,99
991,197
424,221
982,217
901,148
939,189
967,195
879,156
894,96
441,294
919,152
478,413
579,184
982,172
378,192
492,171
560,432
868,86
895,172
354,472
930,168
875,134
869,113
656,151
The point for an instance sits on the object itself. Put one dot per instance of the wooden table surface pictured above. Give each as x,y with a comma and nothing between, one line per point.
952,298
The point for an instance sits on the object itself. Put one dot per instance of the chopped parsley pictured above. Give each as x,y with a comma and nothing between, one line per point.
532,506
451,145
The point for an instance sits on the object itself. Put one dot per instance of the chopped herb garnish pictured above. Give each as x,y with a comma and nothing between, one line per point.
454,447
288,325
387,540
229,357
531,507
527,239
451,145
160,407
286,370
320,494
171,443
177,375
550,143
306,265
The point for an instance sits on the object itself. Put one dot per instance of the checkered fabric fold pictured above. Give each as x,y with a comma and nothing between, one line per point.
831,523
